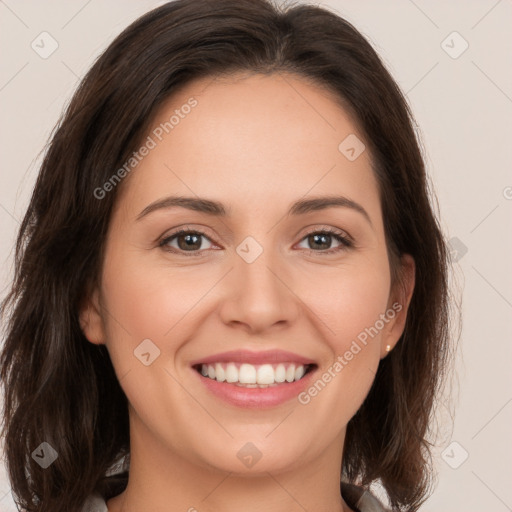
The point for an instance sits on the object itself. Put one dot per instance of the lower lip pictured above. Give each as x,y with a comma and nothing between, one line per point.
256,398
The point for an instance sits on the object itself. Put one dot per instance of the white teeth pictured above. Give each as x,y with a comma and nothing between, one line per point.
247,374
265,374
290,373
231,373
220,374
253,376
280,373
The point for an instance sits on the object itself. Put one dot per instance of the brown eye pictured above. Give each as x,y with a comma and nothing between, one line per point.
320,241
186,241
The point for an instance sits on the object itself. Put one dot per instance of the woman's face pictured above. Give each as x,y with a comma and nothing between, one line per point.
255,274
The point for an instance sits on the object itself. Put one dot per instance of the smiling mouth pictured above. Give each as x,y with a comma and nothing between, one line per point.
254,376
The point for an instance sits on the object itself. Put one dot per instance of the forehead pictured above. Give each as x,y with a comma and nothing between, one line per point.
249,138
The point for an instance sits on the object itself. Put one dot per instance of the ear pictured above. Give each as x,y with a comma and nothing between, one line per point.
398,305
91,321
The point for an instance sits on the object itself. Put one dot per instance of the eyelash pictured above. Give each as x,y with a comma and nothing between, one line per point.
345,241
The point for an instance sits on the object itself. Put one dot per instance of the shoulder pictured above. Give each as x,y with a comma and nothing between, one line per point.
357,498
95,503
360,500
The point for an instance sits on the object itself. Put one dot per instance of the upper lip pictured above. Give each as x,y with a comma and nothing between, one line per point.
247,356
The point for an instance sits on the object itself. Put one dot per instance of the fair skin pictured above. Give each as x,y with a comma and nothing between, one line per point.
257,144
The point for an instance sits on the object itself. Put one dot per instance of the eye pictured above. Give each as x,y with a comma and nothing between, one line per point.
324,238
186,240
189,241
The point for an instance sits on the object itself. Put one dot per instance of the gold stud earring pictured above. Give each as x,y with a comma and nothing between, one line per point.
388,348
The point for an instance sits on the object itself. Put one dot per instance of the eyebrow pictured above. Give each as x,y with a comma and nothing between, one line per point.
217,209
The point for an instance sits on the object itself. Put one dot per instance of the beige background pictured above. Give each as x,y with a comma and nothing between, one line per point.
463,106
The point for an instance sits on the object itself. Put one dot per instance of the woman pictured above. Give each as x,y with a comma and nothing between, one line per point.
229,278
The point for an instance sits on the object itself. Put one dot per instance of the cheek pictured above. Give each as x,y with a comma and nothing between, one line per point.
348,300
145,302
148,299
350,308
156,303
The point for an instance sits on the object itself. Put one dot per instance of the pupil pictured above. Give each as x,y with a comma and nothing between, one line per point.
189,243
321,236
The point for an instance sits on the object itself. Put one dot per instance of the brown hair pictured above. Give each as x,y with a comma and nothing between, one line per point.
61,389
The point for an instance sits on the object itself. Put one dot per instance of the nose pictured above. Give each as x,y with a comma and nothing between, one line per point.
258,296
